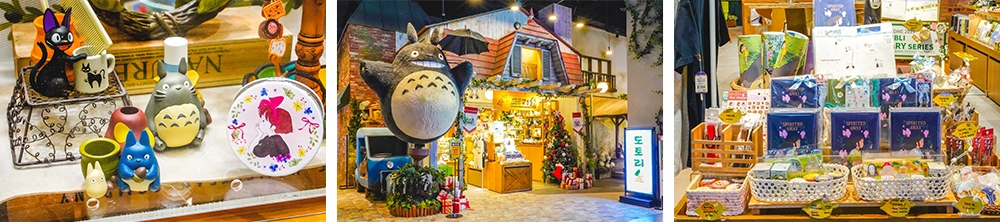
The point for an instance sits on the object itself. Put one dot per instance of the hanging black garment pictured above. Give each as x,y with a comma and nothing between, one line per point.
691,39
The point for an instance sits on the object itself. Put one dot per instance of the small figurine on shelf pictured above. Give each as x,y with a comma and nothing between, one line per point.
96,186
49,78
138,169
175,114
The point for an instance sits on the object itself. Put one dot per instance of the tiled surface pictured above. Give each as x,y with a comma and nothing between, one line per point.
544,203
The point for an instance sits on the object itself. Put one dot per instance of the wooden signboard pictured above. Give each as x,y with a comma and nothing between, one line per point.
221,50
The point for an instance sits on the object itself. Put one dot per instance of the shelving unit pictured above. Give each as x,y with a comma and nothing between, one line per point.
988,63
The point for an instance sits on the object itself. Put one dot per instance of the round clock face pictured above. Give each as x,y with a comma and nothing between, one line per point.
275,126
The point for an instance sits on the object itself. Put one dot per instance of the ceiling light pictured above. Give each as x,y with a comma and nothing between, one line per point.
552,17
515,8
579,24
488,94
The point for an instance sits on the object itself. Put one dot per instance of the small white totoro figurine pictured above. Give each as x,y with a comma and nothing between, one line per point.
96,185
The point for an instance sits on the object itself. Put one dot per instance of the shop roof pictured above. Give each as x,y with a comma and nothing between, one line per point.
493,62
610,107
390,15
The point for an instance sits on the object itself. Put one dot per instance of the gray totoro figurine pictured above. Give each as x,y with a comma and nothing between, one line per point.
175,114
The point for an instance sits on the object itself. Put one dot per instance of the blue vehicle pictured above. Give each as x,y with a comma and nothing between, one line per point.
379,153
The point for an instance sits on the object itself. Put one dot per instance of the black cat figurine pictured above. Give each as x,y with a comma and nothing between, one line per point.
49,78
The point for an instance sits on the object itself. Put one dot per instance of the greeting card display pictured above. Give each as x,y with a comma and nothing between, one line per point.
275,126
850,91
772,47
853,131
894,93
834,13
859,50
916,130
795,92
792,129
897,92
793,51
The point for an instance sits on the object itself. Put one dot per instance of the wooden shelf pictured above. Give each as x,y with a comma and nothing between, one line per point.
986,64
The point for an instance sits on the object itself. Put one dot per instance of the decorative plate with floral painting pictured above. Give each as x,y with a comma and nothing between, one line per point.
275,126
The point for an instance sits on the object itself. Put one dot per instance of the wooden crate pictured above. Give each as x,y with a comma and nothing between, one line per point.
726,150
221,50
507,178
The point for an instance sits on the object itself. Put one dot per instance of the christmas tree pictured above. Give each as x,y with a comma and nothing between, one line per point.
559,156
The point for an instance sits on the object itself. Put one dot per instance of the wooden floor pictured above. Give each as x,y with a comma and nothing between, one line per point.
313,209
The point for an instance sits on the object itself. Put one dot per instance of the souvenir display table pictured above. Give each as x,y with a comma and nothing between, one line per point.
850,207
191,176
982,68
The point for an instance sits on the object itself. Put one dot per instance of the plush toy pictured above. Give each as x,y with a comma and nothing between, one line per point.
49,78
96,186
175,114
419,95
138,169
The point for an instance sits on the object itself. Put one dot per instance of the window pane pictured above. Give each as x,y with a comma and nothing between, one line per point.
531,63
585,64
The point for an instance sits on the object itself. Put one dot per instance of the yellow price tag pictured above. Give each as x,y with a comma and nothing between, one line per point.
731,116
964,55
913,24
819,209
897,207
969,206
943,100
711,210
965,130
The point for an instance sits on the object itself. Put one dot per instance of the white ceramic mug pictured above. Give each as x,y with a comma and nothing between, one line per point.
91,74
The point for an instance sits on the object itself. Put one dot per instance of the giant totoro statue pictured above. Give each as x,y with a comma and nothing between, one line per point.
419,95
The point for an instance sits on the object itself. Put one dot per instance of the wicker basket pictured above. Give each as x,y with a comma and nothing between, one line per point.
956,91
988,209
768,190
928,188
735,200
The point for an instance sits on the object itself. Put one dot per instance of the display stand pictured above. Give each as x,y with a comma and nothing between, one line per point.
221,50
48,130
849,207
982,70
728,163
509,178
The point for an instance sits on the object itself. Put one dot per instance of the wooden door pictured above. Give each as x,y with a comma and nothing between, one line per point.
993,88
978,71
954,46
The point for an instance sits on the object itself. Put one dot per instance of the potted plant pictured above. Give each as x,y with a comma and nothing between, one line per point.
412,191
731,21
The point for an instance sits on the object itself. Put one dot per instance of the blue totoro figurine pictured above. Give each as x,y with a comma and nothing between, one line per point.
138,169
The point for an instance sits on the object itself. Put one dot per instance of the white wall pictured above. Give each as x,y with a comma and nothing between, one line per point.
643,103
594,42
